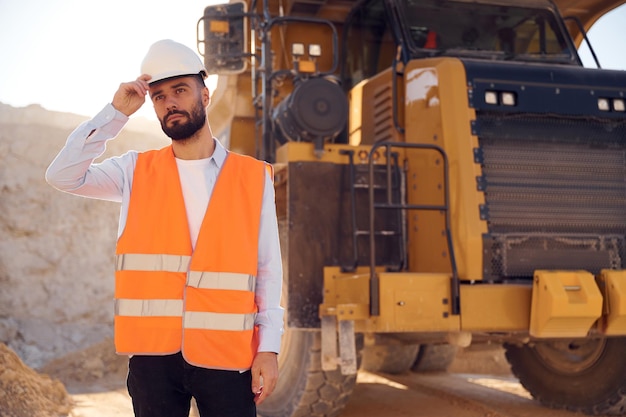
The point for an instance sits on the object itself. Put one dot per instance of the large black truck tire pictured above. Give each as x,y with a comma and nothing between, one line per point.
434,358
387,354
583,375
304,389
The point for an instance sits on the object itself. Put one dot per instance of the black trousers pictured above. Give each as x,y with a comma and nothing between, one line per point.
162,386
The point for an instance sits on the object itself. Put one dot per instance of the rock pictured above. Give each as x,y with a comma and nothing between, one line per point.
8,329
57,250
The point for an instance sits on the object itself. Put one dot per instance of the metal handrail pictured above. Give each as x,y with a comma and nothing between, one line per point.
374,281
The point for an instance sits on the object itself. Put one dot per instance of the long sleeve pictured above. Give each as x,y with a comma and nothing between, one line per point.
269,275
73,170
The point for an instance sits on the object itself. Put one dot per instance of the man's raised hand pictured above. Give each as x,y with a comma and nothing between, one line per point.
130,96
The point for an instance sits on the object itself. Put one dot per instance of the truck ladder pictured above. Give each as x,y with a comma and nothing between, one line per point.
390,204
392,186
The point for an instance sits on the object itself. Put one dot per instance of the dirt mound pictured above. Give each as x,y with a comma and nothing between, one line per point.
96,368
26,393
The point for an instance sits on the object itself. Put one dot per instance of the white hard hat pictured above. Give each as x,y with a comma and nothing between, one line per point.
166,59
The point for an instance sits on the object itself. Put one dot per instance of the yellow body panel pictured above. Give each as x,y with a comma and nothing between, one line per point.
409,302
558,304
415,302
564,304
495,308
437,113
613,286
304,151
346,294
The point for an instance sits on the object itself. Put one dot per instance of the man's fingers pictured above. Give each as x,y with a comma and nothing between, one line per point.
256,381
140,85
140,89
131,96
259,394
143,81
269,383
144,77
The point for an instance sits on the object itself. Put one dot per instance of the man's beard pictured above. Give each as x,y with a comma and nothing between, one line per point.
184,130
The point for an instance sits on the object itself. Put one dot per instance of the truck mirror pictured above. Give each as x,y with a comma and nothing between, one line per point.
223,40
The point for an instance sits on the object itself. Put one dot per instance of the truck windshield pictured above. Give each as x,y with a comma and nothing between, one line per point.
457,28
460,28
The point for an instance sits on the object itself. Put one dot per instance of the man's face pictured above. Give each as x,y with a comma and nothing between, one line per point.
179,105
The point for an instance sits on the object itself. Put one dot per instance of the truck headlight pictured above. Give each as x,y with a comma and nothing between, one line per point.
508,98
491,97
603,104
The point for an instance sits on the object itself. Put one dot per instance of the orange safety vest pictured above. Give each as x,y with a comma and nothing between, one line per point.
170,298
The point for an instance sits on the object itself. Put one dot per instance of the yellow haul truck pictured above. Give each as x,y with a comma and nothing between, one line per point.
446,173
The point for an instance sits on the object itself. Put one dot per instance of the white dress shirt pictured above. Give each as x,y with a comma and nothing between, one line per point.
74,171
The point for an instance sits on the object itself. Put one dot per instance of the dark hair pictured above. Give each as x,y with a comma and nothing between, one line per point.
200,79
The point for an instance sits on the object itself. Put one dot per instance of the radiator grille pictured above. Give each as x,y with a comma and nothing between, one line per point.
383,114
555,193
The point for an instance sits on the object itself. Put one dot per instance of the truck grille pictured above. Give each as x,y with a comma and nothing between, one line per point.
555,193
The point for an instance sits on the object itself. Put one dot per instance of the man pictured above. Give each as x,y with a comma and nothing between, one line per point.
198,267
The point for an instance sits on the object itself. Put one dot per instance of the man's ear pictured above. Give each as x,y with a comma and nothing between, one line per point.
206,97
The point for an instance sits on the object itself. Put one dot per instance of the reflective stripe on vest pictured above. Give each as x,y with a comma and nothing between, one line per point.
170,297
148,308
193,319
218,321
149,262
177,263
221,280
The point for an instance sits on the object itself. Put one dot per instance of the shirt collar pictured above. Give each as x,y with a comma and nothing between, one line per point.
219,154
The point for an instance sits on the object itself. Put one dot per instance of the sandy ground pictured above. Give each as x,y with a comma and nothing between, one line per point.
478,384
95,379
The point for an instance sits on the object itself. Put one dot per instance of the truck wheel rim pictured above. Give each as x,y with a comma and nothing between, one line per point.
570,356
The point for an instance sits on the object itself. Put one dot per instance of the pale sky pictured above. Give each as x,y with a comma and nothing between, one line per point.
71,55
